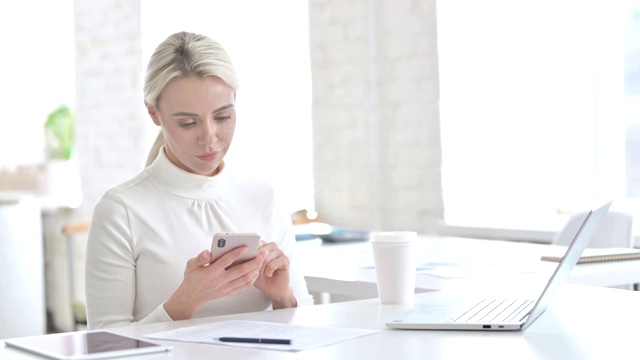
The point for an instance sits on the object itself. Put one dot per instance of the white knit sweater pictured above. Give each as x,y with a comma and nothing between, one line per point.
144,231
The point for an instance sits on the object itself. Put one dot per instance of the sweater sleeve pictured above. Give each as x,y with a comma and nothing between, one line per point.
110,269
297,282
288,241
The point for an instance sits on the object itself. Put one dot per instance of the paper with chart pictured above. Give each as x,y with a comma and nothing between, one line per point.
302,337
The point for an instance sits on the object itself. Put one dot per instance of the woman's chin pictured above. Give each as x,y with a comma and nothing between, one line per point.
207,170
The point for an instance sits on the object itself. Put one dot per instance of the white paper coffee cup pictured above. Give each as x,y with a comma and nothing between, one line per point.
395,264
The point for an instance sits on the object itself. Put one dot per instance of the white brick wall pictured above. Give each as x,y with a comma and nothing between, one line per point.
110,111
375,111
110,129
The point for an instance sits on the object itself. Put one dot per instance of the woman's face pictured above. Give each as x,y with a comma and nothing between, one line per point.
198,120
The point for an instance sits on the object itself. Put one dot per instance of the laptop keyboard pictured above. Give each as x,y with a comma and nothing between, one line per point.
493,311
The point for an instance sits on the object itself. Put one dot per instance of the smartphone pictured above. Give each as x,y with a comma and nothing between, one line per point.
225,242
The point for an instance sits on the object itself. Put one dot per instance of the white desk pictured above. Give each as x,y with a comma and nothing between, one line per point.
346,269
562,332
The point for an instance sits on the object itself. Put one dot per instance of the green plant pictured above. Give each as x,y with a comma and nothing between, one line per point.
60,133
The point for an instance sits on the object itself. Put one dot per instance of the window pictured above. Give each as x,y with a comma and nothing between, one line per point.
539,109
269,46
38,75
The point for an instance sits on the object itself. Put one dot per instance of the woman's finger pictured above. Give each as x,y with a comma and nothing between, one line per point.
227,259
204,258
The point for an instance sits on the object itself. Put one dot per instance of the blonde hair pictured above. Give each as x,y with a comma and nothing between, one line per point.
180,55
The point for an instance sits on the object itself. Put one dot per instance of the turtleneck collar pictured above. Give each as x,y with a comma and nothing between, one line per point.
183,183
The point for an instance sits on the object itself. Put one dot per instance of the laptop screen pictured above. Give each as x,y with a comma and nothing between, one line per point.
569,260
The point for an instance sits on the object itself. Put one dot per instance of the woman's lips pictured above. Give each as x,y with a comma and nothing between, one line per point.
208,156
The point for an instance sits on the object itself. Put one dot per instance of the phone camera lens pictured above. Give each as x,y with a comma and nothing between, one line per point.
221,243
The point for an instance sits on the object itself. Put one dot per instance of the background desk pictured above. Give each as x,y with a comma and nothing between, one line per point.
347,269
578,325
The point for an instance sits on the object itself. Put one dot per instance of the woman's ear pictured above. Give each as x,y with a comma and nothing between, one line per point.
153,112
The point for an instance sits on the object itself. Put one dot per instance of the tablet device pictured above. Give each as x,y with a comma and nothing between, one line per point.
85,345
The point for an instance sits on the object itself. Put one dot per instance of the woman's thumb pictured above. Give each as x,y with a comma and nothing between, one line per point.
204,257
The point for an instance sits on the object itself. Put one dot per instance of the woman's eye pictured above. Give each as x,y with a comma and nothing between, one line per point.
222,118
188,125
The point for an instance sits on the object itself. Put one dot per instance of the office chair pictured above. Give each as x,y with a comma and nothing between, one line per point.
75,231
616,230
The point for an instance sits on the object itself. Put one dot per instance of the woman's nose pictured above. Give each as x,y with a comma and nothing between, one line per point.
207,133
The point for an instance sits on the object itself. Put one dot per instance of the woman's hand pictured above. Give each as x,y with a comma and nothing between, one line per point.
204,281
273,280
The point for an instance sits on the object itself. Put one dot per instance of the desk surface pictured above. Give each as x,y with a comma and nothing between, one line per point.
576,326
449,262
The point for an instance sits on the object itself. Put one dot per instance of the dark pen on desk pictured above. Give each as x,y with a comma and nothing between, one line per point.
255,340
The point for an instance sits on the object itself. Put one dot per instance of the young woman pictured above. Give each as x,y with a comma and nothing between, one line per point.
147,253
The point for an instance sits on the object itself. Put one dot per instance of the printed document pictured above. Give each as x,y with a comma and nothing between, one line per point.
302,337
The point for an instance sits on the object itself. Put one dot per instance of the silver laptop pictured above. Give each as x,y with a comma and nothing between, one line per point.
500,312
